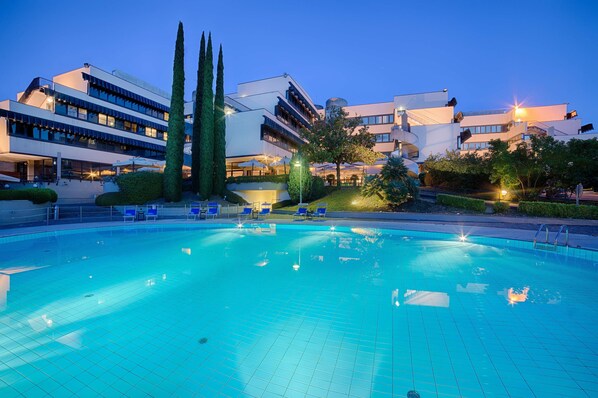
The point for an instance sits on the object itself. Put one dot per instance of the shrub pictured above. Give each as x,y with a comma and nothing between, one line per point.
318,189
299,185
461,202
279,179
232,197
547,209
393,184
500,207
140,187
111,199
35,195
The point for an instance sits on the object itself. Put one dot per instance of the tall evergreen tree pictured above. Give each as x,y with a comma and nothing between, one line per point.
219,130
206,149
195,143
173,179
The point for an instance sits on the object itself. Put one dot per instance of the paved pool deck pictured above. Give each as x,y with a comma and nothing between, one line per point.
583,233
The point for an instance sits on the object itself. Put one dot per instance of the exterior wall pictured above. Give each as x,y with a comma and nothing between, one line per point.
435,139
486,120
426,116
421,100
261,101
382,108
243,133
541,113
4,138
73,79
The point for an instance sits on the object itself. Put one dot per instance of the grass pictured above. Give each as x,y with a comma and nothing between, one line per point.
347,199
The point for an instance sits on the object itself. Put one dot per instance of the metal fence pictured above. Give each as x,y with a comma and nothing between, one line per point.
67,214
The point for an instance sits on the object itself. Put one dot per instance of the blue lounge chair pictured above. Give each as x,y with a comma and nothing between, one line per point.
321,210
265,211
194,213
247,212
212,210
151,213
301,211
130,214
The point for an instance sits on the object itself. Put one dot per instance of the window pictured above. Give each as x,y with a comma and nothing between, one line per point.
150,132
60,108
383,137
166,116
165,136
102,118
380,119
82,113
92,117
110,121
72,111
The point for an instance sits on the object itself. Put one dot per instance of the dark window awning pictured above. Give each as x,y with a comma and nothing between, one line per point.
102,109
300,118
125,93
50,124
283,131
297,92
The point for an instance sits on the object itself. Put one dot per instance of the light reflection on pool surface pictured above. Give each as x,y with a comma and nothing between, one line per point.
265,310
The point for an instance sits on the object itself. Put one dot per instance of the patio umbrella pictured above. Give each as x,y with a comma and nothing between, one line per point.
282,162
133,162
4,177
253,164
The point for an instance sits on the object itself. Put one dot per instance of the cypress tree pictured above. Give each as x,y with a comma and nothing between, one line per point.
173,179
195,143
219,130
206,148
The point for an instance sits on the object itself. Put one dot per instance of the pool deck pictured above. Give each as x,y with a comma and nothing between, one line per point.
583,233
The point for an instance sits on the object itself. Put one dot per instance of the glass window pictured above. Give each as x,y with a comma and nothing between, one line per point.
102,119
378,119
72,111
165,136
119,124
385,119
60,108
150,132
103,95
111,121
392,118
92,117
83,113
166,116
364,120
127,126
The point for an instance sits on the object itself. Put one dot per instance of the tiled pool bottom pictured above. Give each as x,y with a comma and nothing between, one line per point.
293,312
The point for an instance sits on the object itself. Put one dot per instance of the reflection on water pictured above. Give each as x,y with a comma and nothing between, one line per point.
475,288
421,297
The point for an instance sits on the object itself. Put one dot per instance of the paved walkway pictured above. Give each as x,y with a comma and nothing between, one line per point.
583,233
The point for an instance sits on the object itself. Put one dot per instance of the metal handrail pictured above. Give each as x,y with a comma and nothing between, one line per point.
538,232
556,239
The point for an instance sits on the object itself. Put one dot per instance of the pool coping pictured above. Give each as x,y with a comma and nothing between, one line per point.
580,241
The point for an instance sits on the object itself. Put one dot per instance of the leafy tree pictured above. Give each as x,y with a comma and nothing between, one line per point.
206,149
393,185
582,165
300,179
196,139
520,170
334,140
219,130
173,181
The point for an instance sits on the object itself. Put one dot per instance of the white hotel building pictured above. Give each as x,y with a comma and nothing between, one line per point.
75,126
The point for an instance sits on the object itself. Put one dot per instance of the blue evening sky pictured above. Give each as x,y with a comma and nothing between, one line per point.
487,53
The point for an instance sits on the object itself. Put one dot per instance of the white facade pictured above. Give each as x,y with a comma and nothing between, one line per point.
263,119
419,125
78,124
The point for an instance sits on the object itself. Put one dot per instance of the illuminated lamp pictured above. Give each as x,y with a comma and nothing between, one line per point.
571,115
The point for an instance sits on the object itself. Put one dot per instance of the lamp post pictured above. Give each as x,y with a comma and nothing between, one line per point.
298,163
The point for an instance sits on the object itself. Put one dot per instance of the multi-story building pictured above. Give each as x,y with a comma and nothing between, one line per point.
517,125
415,126
77,125
263,119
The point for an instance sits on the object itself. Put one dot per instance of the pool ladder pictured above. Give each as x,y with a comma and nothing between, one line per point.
546,245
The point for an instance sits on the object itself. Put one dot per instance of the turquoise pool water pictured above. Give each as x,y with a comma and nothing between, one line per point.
293,311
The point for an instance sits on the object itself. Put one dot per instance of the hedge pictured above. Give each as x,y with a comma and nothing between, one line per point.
279,179
35,195
461,202
318,188
548,209
111,199
500,207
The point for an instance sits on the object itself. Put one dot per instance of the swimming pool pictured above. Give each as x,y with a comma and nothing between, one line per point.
293,311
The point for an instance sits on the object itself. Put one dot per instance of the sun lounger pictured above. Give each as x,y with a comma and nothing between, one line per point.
130,214
321,210
247,212
151,213
265,211
301,211
212,210
194,212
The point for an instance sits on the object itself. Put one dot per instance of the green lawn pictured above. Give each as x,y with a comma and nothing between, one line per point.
347,199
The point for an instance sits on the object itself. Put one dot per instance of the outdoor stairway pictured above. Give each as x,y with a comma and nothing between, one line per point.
546,245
